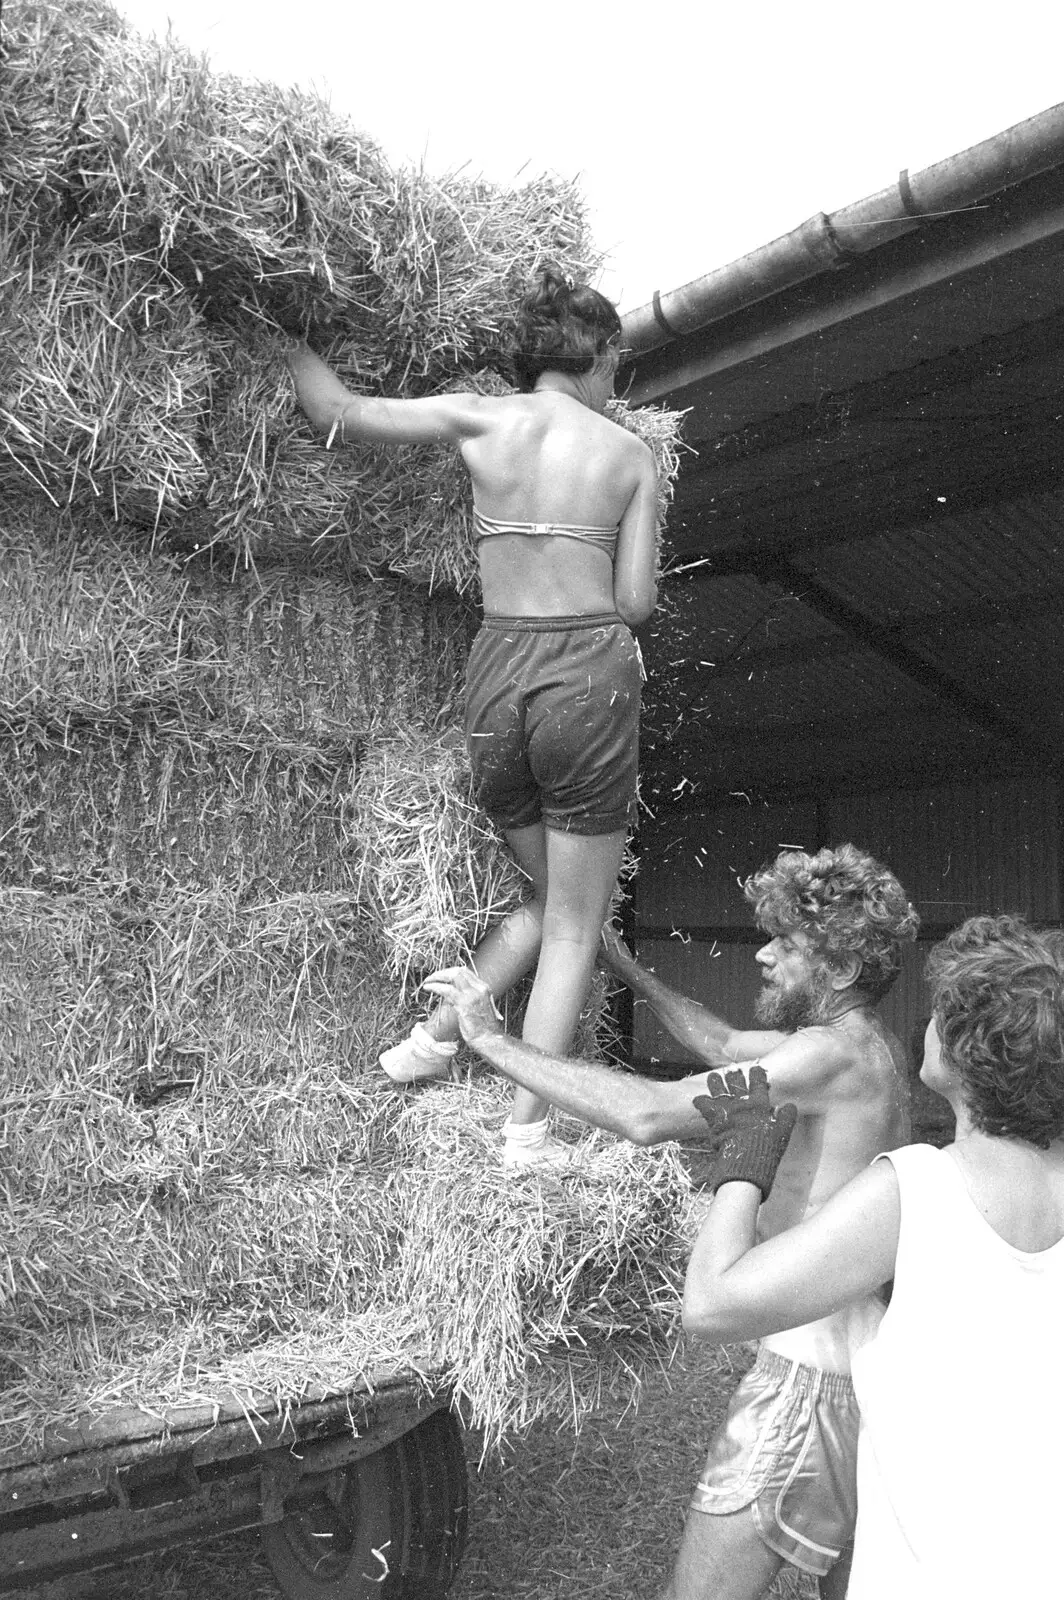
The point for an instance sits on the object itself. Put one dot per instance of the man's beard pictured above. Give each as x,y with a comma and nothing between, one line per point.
803,1005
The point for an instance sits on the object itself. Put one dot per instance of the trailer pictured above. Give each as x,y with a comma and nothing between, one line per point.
357,1495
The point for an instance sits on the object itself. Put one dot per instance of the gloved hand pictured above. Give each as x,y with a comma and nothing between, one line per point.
751,1135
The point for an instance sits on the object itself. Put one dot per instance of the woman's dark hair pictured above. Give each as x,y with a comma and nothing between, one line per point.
562,326
997,995
851,906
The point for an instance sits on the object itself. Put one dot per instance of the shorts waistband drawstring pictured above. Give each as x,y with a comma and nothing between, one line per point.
809,1380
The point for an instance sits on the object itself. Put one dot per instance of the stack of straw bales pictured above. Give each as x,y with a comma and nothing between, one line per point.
235,824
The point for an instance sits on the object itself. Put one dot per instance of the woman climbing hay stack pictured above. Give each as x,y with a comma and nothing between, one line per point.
564,517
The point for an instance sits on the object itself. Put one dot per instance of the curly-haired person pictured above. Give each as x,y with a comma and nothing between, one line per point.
780,1481
959,1483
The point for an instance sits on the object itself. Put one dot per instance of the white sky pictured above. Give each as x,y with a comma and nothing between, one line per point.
698,129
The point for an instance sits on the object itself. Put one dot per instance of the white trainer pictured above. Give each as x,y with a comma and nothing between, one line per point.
419,1056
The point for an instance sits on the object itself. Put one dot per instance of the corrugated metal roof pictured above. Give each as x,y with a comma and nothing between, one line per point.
873,529
988,555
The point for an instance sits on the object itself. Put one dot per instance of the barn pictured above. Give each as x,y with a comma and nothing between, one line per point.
860,633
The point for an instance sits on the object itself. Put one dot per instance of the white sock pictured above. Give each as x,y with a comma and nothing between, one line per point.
528,1144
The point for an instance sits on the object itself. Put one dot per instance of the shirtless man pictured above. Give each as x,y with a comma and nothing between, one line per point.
779,1483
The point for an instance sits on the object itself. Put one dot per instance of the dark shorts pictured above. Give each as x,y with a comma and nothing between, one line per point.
788,1450
552,721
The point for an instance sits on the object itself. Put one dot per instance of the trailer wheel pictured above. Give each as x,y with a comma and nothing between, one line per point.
391,1526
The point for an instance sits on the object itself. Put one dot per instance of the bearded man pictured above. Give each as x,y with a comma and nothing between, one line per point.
780,1481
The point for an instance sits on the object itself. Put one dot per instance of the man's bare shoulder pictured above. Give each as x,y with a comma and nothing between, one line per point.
839,1045
858,1035
820,1067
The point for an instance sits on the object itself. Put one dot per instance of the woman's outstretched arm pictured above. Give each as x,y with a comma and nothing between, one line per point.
343,416
739,1289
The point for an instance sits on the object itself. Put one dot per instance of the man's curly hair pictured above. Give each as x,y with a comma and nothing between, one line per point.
997,997
847,903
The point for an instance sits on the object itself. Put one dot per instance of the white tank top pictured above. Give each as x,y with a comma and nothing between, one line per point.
960,1468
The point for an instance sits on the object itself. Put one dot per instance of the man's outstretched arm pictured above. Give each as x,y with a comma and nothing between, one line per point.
694,1026
638,1109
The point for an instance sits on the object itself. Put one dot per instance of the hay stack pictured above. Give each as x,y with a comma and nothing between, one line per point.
235,821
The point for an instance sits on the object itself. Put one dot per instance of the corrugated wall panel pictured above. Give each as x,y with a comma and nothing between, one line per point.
964,849
723,977
692,868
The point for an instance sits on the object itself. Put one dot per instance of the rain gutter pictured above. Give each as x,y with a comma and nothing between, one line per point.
826,242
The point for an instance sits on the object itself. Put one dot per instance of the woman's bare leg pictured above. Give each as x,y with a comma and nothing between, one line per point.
573,878
509,951
581,874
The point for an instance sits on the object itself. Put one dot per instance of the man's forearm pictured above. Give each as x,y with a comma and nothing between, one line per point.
607,1099
696,1027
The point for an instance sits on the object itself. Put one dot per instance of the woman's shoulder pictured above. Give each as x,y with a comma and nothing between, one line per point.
628,441
913,1154
914,1162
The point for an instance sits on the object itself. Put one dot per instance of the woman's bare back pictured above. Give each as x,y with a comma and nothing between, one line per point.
548,459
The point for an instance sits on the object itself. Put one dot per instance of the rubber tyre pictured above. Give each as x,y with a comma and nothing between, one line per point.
408,1501
430,1504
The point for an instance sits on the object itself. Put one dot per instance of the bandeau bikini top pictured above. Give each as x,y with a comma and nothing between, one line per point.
604,539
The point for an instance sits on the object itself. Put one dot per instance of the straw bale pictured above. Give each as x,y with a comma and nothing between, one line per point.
266,203
83,1369
309,655
89,632
433,872
456,255
252,194
270,494
159,1044
106,384
276,494
275,1244
93,630
157,806
503,1274
431,1262
51,54
123,1299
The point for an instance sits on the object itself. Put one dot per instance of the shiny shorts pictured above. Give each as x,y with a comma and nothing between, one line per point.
552,721
788,1450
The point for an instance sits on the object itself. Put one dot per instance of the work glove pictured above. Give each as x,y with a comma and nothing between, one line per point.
750,1134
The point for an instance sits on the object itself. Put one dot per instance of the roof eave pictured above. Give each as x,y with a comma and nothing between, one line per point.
825,242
